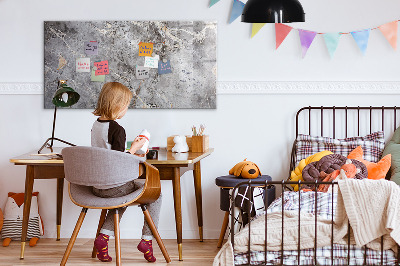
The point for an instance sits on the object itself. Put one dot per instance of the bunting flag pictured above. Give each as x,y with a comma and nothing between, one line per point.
256,28
306,39
361,37
332,41
237,9
389,30
213,2
281,31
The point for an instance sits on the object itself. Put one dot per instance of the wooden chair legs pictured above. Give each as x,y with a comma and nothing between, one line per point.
223,229
117,238
73,237
154,230
101,222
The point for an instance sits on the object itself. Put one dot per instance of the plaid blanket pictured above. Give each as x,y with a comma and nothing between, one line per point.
324,257
323,205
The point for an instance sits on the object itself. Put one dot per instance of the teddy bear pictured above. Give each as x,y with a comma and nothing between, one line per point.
245,169
13,215
180,144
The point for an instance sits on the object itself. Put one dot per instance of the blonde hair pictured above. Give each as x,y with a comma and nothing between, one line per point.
112,99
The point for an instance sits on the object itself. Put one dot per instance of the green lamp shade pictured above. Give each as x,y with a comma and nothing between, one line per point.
65,96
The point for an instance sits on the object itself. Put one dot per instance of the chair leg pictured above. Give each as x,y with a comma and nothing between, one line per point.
73,237
154,230
117,239
223,229
101,222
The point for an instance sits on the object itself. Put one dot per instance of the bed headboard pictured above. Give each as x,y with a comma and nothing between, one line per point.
344,121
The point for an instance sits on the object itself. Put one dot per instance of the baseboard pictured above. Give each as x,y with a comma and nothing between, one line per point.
260,87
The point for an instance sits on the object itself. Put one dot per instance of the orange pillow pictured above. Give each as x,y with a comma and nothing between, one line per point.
375,170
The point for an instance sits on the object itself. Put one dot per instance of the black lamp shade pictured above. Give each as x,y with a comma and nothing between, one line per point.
65,96
273,11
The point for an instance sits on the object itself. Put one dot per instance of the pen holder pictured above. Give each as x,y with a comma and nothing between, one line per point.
200,143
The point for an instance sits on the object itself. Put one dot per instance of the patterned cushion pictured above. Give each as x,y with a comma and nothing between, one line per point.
372,144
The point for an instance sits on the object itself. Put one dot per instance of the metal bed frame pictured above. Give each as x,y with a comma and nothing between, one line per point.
283,184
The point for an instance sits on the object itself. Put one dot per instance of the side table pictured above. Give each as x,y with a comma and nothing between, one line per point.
226,183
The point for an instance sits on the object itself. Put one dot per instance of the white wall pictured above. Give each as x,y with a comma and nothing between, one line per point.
259,127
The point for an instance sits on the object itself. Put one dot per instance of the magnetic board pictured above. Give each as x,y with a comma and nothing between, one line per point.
82,51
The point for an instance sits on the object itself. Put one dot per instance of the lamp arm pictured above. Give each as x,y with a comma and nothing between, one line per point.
54,126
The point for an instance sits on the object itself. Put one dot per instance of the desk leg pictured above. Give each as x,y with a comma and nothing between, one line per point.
176,182
199,204
60,190
27,206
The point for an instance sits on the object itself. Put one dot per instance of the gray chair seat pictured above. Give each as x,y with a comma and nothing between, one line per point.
83,196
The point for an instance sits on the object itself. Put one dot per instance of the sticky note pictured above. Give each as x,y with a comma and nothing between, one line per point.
83,64
151,62
91,48
164,68
102,68
145,48
99,78
142,72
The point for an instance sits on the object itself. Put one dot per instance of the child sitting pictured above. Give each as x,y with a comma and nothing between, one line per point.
106,133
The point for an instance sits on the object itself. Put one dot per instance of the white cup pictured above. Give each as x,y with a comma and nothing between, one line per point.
144,134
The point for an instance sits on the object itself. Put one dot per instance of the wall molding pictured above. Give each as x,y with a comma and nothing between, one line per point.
309,87
260,87
21,88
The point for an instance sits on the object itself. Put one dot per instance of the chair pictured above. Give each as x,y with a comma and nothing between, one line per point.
85,167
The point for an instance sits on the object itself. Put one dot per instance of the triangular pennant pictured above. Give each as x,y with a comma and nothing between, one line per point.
361,37
306,39
281,31
389,30
256,28
237,9
213,2
332,41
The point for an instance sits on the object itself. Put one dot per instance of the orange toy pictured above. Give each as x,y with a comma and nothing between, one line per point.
12,222
375,170
245,169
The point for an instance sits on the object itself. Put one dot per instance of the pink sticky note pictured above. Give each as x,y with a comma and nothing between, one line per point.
102,68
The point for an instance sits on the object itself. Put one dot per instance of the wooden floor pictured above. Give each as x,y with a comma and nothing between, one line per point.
50,252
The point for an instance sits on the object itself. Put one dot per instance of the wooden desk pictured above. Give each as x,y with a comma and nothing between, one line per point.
168,164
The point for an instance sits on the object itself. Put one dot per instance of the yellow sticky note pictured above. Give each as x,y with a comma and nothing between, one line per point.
145,48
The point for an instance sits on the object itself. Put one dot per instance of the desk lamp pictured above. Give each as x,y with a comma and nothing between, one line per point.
272,11
64,97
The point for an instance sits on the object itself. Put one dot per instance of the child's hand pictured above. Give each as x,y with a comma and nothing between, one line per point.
143,155
137,144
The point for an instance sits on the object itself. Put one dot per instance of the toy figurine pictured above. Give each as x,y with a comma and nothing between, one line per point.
180,144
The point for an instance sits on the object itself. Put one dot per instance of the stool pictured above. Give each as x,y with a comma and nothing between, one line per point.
226,183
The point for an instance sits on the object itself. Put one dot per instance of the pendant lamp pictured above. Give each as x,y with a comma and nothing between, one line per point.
272,11
64,97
